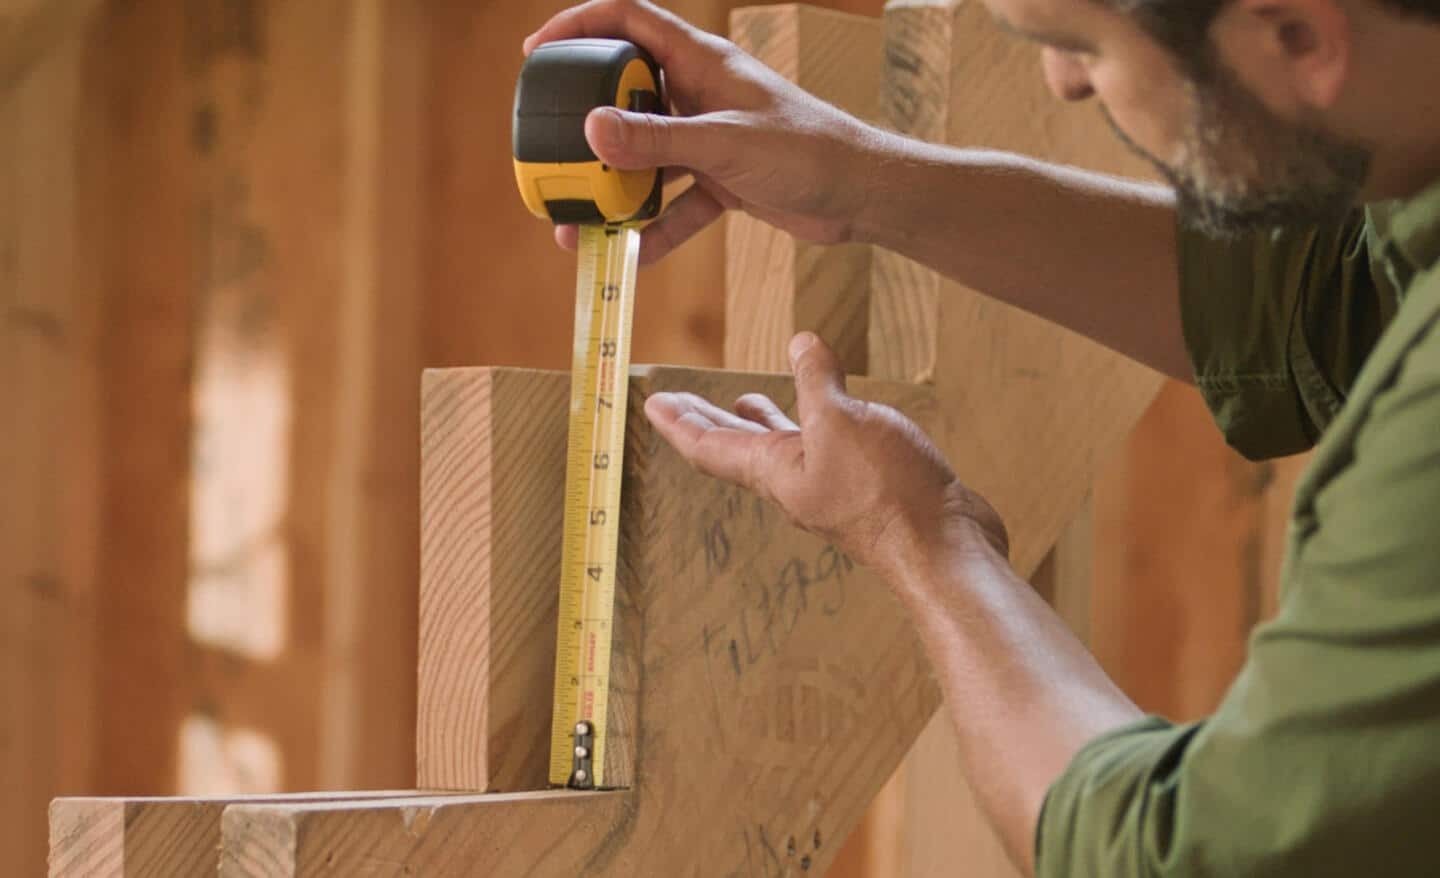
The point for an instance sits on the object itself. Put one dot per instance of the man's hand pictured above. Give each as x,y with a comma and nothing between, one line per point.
751,140
859,474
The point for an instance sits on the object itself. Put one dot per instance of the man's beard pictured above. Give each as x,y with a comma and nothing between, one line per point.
1240,168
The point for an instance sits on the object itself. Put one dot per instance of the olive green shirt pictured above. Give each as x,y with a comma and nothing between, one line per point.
1324,757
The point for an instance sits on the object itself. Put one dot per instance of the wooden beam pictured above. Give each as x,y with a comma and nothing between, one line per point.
304,526
51,452
1077,400
541,833
770,672
775,285
140,837
147,348
951,77
492,492
30,30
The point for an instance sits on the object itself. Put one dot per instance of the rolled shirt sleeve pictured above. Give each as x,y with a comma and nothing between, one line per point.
1323,758
1277,326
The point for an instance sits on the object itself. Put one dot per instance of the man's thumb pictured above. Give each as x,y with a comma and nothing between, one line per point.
819,377
636,141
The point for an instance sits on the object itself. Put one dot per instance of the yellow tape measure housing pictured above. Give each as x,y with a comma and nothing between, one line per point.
560,177
562,180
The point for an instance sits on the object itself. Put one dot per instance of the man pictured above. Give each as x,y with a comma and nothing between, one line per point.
1302,316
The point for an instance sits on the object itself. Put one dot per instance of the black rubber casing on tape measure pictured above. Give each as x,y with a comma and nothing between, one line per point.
559,176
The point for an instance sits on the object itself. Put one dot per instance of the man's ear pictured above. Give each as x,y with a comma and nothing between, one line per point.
1306,41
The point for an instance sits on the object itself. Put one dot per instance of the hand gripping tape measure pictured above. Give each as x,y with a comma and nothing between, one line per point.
562,180
560,177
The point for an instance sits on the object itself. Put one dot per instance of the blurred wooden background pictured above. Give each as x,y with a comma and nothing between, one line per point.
232,233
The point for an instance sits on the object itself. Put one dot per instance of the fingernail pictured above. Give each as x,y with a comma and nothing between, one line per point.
610,125
800,344
658,404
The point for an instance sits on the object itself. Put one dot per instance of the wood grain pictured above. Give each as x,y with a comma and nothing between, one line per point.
31,30
304,526
141,837
541,834
775,285
915,81
492,489
1194,537
147,349
753,679
51,455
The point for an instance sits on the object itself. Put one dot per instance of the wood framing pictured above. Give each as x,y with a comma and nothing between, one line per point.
765,688
837,57
950,71
776,687
51,453
152,837
489,570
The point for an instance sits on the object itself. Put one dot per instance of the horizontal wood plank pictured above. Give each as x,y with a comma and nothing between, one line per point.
150,837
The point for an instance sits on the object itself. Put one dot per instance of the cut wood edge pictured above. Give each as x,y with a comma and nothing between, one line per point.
775,285
452,834
149,835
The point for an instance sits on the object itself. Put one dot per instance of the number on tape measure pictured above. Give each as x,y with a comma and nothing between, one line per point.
604,302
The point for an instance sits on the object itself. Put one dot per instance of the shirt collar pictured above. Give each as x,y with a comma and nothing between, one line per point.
1412,227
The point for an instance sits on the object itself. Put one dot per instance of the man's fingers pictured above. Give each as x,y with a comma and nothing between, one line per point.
568,237
676,45
637,141
752,457
678,405
692,211
819,378
761,409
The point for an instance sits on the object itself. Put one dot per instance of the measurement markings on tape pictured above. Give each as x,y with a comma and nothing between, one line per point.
604,303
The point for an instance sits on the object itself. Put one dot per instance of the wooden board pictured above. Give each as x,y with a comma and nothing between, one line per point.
755,681
561,833
1079,400
303,526
135,72
775,285
1194,537
952,77
492,491
50,447
32,30
153,837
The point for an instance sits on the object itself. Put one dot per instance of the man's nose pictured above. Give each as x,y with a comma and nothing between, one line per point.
1066,76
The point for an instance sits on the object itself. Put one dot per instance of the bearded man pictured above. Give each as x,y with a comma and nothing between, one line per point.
1289,271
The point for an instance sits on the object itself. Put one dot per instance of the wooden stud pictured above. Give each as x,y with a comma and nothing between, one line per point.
775,285
950,71
540,833
304,528
754,682
32,30
492,492
51,453
141,837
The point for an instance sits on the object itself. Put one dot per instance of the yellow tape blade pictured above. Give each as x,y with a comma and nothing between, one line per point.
604,303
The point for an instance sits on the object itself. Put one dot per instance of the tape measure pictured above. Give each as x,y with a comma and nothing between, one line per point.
561,179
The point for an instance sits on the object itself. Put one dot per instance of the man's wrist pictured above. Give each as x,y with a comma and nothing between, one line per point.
879,157
919,563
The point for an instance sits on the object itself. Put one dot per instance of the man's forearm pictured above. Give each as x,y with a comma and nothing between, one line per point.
1095,254
1021,690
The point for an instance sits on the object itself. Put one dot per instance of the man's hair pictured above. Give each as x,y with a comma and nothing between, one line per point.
1183,26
